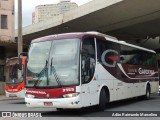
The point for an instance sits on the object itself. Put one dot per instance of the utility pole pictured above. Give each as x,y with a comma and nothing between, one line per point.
20,42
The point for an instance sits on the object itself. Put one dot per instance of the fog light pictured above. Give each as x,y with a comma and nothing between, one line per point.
30,96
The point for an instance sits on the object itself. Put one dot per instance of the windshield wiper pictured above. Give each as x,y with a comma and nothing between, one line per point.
40,74
55,74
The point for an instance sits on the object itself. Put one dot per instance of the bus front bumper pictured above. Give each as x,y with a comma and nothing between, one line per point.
54,103
20,94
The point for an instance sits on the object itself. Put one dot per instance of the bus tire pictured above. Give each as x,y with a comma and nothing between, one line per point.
103,100
59,109
147,95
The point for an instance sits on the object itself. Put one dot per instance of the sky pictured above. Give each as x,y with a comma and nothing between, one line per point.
28,7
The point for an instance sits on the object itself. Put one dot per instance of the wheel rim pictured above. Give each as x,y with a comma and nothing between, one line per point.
148,94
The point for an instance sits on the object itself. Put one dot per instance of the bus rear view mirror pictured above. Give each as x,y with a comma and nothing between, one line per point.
23,54
20,59
121,58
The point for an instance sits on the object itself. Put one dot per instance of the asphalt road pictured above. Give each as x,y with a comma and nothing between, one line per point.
88,113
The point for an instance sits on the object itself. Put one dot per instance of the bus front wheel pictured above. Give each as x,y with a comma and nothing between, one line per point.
59,109
103,100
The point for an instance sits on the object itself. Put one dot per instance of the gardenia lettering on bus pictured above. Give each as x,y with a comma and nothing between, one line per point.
145,71
36,92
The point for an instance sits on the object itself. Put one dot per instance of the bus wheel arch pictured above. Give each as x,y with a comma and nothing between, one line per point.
104,98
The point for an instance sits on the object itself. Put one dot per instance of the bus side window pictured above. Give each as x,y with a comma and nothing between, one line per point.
134,56
88,60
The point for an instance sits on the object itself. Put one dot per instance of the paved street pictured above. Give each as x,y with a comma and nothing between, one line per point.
126,105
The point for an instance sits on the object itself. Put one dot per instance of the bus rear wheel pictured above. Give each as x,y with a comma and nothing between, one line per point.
147,95
103,100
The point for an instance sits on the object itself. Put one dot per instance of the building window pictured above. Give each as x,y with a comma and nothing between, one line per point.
3,21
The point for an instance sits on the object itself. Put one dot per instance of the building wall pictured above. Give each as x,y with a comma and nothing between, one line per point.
45,12
7,8
6,38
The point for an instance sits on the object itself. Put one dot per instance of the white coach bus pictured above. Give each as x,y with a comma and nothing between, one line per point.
76,70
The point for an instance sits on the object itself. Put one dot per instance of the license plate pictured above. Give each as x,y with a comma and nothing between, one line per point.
48,104
12,95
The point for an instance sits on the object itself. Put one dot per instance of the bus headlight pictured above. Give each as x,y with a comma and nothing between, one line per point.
30,96
70,95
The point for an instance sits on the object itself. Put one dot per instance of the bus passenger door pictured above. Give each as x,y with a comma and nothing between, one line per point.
88,62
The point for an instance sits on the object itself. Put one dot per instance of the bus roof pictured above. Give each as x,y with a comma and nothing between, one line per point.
130,45
81,34
60,36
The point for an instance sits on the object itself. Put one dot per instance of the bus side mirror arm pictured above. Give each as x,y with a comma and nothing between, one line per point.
20,64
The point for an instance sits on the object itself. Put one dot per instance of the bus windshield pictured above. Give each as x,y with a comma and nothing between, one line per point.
13,75
53,63
12,65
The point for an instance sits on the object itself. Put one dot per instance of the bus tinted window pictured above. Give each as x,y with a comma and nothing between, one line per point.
88,59
109,49
134,56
